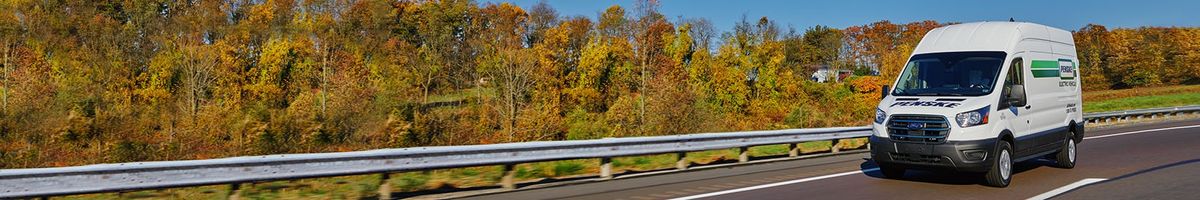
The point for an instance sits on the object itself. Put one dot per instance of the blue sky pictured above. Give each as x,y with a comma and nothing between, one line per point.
1070,15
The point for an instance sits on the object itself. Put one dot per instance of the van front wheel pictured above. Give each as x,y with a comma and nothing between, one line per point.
1001,172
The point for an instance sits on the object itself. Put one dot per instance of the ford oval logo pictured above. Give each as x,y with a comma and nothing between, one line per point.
916,126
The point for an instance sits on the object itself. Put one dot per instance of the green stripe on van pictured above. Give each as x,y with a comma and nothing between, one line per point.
1044,68
1045,73
1045,64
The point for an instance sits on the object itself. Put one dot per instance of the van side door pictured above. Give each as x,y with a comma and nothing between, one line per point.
1016,115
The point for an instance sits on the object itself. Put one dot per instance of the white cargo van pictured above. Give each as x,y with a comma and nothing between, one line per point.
978,97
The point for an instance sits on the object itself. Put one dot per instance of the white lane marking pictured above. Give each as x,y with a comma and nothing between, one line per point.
776,184
877,169
1141,131
1066,188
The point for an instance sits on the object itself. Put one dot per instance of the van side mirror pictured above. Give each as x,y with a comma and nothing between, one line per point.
883,93
1017,96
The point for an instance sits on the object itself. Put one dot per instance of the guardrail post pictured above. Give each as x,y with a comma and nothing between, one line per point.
235,191
743,154
833,146
681,163
385,186
793,150
606,168
508,180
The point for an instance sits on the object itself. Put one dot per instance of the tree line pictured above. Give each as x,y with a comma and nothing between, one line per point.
114,81
1146,56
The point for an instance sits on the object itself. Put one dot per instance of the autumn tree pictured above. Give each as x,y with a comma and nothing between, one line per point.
649,28
542,17
884,46
671,106
555,55
703,31
446,30
10,30
605,68
1091,47
1182,53
506,63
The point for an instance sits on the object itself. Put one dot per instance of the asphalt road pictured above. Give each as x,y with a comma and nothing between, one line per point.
1156,161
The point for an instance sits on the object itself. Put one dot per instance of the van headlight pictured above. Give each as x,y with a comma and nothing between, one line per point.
973,118
880,116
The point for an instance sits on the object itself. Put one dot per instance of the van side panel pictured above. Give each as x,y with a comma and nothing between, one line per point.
1065,48
1068,84
1052,89
1044,108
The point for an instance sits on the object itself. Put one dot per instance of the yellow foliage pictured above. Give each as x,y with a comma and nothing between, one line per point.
98,84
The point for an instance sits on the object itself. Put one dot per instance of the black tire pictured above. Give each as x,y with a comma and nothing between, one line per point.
1065,158
1000,176
892,171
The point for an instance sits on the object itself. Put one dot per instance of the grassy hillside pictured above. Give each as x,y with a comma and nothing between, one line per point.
1140,98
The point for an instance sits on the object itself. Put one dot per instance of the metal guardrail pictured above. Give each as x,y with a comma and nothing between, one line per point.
1106,117
41,182
37,182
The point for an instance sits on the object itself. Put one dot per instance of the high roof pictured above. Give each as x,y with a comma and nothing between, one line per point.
988,36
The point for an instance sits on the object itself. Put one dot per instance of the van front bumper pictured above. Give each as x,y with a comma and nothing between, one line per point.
965,156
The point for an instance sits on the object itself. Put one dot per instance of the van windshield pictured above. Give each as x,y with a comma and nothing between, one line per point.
950,74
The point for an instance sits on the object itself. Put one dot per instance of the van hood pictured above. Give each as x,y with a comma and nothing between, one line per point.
945,106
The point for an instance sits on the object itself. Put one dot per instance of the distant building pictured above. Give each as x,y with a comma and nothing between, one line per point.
825,74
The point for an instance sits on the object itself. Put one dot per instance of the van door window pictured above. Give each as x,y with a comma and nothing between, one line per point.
1016,76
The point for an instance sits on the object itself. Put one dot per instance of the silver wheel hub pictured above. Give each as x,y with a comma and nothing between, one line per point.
1005,164
1071,150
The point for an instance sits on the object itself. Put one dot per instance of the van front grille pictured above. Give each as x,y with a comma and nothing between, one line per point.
929,129
916,158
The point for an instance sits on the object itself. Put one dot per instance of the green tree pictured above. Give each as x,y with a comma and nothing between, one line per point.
818,46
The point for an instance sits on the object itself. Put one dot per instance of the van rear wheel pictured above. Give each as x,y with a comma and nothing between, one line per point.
1001,172
1065,158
